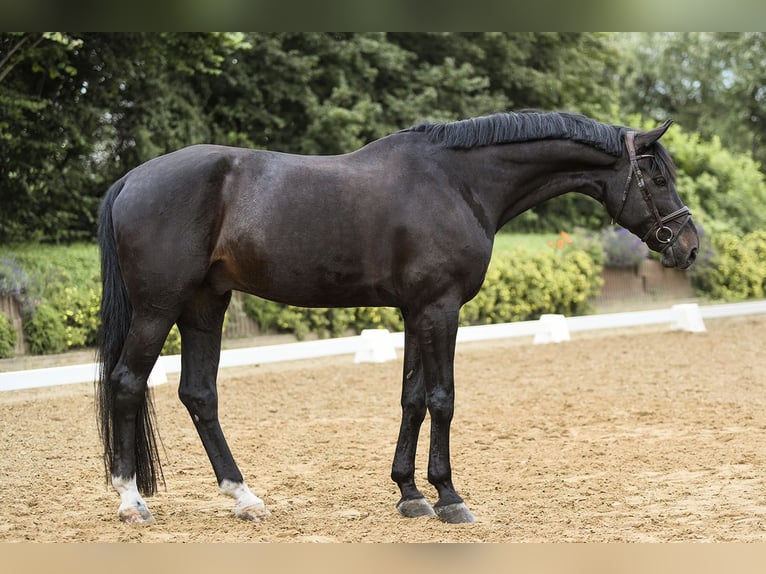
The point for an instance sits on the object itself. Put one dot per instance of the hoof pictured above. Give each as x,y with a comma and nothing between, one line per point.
139,515
454,513
415,507
255,513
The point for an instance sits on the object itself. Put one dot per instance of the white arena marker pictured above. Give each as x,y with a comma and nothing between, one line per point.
375,346
688,318
554,329
158,376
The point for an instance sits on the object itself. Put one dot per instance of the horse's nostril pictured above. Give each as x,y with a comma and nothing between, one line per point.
692,255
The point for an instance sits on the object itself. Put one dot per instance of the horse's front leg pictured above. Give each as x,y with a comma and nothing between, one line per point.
436,328
412,503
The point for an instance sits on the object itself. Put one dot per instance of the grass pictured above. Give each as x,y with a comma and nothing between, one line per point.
80,261
534,242
81,258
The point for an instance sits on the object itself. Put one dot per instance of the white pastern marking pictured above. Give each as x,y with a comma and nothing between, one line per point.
128,491
241,493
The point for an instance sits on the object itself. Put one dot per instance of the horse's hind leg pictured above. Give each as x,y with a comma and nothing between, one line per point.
129,378
200,325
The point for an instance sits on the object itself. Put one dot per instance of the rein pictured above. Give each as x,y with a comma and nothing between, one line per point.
664,235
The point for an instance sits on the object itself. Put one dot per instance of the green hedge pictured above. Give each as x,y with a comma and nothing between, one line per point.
734,269
526,284
59,290
45,331
322,322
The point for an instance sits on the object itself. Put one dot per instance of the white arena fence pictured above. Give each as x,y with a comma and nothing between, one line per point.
378,345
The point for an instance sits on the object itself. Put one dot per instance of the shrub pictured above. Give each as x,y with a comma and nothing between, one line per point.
45,331
736,269
591,244
172,344
78,307
525,285
622,248
10,277
64,280
520,284
323,322
7,337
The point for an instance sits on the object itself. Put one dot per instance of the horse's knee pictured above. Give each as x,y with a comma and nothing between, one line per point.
414,409
441,406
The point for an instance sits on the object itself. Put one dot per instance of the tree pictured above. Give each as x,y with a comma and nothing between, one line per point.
711,83
332,93
39,135
79,109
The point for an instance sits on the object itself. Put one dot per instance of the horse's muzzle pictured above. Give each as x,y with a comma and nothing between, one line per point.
671,258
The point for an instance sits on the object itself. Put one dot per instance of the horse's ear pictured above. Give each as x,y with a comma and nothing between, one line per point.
645,139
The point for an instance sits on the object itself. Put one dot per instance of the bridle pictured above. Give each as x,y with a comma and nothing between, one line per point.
664,235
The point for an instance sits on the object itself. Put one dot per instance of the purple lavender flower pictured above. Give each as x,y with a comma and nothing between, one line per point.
622,248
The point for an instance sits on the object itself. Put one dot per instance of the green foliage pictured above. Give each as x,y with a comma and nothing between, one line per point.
506,243
79,306
51,266
322,322
622,248
63,280
7,337
172,344
725,191
527,284
14,281
737,268
709,82
44,331
77,110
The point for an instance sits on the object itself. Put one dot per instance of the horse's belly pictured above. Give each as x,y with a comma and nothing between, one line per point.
304,282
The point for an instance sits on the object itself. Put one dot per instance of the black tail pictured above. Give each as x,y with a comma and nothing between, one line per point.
116,313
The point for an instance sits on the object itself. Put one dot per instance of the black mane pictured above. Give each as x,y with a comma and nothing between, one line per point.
523,127
528,126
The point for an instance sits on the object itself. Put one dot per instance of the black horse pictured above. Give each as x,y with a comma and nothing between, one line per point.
407,221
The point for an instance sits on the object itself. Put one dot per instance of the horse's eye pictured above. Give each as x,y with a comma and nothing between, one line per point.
660,181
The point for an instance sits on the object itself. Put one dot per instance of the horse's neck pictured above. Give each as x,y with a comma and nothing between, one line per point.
516,177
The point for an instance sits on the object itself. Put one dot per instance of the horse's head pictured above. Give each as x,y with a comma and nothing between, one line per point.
649,205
